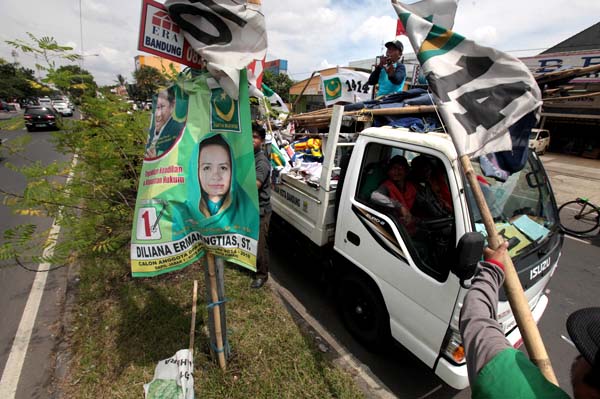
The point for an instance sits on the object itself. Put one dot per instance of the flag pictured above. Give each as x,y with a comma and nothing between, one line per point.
256,71
481,92
275,100
347,86
228,34
197,189
438,12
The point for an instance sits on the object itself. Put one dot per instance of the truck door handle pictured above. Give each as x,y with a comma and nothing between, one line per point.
353,238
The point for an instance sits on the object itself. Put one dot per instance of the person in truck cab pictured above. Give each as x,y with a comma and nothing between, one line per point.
495,368
429,202
396,192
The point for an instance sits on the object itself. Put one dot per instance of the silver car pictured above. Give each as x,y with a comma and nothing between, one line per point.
63,108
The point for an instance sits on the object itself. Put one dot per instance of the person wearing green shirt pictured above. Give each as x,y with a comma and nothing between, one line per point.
495,368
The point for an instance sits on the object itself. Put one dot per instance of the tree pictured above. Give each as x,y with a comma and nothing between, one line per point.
279,83
17,82
121,80
74,80
48,48
148,80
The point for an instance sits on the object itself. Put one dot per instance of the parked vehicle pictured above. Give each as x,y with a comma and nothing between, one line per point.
45,101
62,108
37,117
539,140
405,279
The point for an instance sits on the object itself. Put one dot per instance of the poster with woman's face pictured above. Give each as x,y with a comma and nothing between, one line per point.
197,190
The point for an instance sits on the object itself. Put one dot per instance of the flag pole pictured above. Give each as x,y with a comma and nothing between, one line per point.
512,285
193,327
214,295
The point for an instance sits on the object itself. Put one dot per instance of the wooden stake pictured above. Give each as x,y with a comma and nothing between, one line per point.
193,327
214,295
512,285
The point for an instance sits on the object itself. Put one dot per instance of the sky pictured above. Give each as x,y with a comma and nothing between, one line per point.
310,34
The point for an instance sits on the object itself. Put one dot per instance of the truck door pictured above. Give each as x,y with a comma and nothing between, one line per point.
407,256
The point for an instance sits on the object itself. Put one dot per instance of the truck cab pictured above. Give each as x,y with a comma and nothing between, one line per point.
395,277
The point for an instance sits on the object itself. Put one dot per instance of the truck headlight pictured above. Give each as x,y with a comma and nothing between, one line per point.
453,347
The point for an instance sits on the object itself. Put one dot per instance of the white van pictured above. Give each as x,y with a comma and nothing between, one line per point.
539,140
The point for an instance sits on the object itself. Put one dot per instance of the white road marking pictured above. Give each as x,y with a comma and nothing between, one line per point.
578,239
16,358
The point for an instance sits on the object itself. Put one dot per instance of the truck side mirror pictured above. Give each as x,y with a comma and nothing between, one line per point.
468,253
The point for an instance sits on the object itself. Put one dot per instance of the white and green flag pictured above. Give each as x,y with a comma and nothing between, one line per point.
228,34
438,12
345,86
275,101
481,92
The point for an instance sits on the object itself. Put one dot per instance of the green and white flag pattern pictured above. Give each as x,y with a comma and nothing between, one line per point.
347,86
480,91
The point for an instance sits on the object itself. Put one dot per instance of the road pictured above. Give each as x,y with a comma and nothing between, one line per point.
16,285
573,286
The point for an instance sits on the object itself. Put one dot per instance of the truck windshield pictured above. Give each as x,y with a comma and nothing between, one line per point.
521,206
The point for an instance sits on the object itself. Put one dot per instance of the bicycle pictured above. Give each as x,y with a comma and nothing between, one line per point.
579,216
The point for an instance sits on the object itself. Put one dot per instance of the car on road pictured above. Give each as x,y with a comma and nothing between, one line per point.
63,108
42,117
539,140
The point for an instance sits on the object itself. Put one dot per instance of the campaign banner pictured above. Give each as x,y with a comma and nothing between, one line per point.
197,190
160,36
345,86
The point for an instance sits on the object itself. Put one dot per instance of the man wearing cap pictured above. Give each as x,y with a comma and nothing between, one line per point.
394,73
495,368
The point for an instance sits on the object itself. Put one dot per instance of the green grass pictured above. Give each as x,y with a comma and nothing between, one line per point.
15,123
123,326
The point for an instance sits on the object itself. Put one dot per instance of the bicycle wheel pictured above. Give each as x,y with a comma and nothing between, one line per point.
578,217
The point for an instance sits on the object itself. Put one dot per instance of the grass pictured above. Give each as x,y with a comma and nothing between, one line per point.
14,123
123,326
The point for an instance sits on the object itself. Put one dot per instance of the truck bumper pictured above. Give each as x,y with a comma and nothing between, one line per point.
457,376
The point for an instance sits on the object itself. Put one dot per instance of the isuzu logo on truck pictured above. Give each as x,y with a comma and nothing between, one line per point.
536,271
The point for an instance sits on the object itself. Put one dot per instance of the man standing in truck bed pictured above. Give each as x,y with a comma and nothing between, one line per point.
390,74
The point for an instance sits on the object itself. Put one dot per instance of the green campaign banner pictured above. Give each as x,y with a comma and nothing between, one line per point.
197,190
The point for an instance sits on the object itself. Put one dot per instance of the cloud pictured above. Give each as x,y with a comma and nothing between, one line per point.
309,34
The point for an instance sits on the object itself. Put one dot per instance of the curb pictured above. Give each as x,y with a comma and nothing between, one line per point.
362,375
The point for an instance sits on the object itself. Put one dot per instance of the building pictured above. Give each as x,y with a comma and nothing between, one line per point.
277,66
571,110
156,62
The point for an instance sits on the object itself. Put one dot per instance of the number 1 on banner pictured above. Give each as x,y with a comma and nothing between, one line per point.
147,228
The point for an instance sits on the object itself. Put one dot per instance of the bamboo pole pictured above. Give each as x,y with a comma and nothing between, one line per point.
210,258
512,285
193,327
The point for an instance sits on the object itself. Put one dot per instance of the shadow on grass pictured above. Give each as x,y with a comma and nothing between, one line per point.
153,320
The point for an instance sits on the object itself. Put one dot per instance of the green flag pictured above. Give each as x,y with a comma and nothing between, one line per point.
197,190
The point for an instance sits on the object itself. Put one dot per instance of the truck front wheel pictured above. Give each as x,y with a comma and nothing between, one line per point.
363,311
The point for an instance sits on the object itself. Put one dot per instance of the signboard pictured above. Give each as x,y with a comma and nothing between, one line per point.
160,36
544,63
197,190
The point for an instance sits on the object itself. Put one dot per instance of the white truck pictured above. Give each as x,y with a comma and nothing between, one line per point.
395,281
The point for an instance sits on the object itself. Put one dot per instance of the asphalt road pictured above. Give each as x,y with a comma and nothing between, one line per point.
573,286
16,282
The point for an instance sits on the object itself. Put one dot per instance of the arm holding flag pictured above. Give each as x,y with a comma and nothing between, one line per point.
481,93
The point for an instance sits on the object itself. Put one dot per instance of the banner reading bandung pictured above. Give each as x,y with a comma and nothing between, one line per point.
197,189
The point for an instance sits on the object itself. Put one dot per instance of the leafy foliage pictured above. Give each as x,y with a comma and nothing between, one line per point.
148,80
95,208
17,82
279,83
